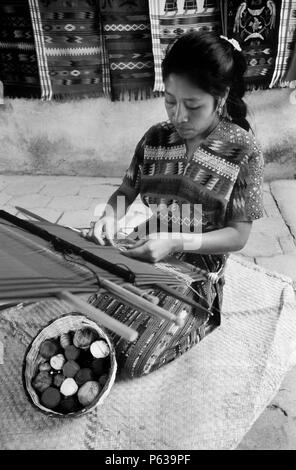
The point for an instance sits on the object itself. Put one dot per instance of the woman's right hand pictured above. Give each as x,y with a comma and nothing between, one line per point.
101,231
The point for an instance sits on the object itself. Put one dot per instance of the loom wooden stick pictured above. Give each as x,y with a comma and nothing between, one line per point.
98,316
136,290
178,295
141,304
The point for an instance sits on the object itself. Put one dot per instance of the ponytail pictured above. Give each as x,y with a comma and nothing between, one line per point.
235,105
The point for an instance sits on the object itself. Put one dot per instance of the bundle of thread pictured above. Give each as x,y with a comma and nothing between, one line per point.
73,370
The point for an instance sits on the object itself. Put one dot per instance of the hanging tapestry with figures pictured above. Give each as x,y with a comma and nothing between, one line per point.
287,42
18,58
255,24
171,18
127,35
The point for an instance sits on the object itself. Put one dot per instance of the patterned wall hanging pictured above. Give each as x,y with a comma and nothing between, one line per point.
127,33
18,59
69,48
255,23
291,75
287,40
170,19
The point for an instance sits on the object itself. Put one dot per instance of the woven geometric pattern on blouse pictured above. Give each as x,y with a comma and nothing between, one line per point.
225,174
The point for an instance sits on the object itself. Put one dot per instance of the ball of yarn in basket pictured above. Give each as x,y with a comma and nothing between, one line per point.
88,392
71,352
99,349
83,338
48,349
50,398
70,369
57,361
84,375
69,387
42,381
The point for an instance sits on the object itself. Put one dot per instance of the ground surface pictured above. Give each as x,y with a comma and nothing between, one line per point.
272,244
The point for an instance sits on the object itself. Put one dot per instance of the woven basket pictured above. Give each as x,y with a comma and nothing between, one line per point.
64,324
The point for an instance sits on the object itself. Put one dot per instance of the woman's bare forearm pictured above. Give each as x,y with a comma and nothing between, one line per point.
117,205
225,240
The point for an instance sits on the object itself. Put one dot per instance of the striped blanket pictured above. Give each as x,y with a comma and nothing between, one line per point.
170,19
127,36
291,75
68,46
255,25
287,32
18,60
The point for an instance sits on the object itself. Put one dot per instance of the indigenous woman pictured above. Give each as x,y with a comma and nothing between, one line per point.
206,155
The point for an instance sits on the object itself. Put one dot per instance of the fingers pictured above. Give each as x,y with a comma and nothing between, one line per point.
138,250
137,253
109,235
96,232
84,232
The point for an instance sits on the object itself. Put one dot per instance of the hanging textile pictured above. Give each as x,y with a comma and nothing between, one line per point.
291,75
127,36
170,19
287,33
255,23
18,59
69,48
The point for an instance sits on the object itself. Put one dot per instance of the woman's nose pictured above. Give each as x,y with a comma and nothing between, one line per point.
181,114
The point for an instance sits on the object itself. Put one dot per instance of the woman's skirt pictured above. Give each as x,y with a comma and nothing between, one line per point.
161,341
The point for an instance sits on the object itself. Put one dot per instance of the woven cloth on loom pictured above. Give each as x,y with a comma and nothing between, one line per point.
127,34
255,25
69,48
18,60
287,37
207,399
170,19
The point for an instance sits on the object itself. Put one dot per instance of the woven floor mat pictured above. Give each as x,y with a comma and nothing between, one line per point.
207,399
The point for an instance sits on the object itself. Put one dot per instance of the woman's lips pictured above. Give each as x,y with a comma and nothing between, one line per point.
183,129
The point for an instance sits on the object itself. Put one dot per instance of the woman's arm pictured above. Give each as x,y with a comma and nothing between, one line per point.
118,204
231,238
158,245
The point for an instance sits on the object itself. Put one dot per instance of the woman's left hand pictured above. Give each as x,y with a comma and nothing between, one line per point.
153,248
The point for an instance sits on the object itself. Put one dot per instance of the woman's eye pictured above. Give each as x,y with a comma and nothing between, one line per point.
170,103
193,108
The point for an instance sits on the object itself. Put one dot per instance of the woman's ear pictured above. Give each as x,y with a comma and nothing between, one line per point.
224,99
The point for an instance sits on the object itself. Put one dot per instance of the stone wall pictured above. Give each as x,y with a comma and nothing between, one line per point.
95,137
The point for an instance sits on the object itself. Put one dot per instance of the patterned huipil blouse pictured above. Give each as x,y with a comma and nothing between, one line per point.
225,177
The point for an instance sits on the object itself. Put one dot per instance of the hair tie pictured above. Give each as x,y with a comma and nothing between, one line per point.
233,42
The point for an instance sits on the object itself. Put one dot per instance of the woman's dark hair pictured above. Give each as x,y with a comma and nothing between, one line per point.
213,64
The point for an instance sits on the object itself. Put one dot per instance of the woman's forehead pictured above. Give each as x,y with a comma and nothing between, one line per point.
181,86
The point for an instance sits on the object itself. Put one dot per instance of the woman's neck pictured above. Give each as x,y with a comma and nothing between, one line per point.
194,143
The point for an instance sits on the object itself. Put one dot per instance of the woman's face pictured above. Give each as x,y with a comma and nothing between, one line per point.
190,109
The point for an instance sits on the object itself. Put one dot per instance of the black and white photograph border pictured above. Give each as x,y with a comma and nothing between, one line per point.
61,159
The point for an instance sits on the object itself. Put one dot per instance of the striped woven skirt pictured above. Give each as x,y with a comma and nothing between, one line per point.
161,341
